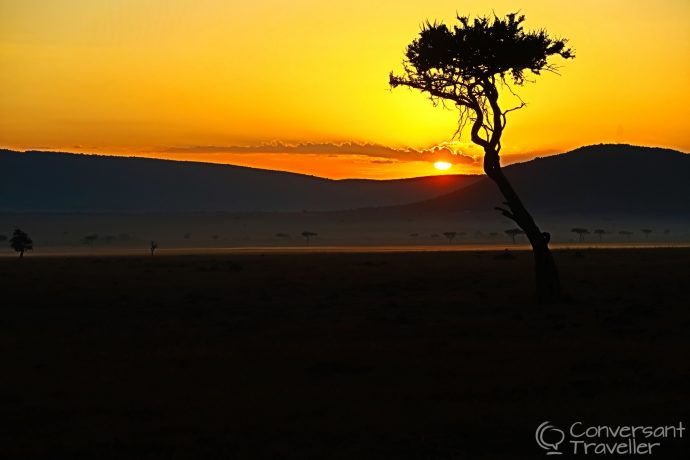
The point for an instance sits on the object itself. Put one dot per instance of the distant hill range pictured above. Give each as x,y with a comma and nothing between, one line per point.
594,179
63,182
598,178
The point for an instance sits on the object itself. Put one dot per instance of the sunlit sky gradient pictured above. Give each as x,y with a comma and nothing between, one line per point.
195,80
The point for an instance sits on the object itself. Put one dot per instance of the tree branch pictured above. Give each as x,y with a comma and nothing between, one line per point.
507,213
428,87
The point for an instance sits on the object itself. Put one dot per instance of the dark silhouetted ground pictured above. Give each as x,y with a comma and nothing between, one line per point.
395,356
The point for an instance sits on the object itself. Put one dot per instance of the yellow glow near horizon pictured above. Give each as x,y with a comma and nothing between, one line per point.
145,77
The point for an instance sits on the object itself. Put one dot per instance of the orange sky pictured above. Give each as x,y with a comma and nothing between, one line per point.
200,80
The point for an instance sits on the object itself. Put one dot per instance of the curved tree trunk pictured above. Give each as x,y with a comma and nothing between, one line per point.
548,281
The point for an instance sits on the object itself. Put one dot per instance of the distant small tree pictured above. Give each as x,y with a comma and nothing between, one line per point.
282,235
646,232
514,232
215,237
581,232
625,233
21,242
109,239
450,236
600,232
414,235
89,239
153,248
308,236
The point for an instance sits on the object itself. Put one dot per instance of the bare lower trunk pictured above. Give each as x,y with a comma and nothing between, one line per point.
548,282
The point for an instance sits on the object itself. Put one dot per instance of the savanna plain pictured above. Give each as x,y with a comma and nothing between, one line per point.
425,355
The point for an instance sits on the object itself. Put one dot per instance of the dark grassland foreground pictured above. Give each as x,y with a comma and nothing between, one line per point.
400,356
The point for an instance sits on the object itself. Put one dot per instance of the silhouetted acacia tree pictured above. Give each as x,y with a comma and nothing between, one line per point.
513,232
600,232
308,236
646,232
466,66
450,236
153,247
21,242
581,232
625,233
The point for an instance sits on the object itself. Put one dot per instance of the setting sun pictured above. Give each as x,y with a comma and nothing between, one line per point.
442,165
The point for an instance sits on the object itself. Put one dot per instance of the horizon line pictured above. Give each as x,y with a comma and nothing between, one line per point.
294,149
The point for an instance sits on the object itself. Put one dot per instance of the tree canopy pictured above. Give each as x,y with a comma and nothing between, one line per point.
21,242
461,65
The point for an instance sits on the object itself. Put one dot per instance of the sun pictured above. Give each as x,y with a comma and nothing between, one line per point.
442,165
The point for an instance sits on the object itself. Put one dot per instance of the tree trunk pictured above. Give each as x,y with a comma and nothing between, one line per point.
547,279
21,254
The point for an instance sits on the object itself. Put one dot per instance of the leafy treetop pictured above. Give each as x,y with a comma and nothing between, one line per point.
461,65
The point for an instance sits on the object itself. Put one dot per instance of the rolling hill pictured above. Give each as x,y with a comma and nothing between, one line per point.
61,182
593,179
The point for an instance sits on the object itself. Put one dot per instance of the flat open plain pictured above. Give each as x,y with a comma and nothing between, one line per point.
425,355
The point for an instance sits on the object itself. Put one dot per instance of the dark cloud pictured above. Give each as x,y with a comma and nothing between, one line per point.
435,153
